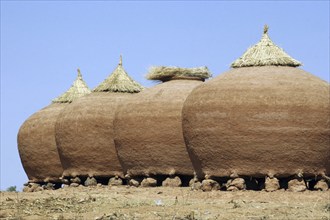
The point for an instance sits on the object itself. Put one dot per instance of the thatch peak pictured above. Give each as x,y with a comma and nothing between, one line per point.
265,53
119,81
166,73
78,89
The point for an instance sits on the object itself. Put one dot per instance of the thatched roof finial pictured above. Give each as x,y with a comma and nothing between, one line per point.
79,73
78,89
119,81
266,29
121,60
265,53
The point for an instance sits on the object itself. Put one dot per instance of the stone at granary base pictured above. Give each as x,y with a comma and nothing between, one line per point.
272,184
49,186
133,182
115,181
75,180
32,187
195,184
65,181
38,189
26,189
90,181
172,182
321,185
297,185
236,184
149,182
74,184
210,185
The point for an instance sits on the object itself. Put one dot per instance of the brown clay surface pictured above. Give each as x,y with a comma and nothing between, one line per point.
84,203
148,129
84,134
37,146
258,120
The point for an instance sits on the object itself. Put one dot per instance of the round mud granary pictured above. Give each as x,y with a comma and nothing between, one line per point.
36,137
84,130
148,127
263,117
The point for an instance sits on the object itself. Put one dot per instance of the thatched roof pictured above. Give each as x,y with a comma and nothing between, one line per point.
164,73
119,81
265,53
78,89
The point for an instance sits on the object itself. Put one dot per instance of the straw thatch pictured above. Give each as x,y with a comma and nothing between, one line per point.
119,81
148,129
78,89
36,143
84,130
257,121
165,73
265,53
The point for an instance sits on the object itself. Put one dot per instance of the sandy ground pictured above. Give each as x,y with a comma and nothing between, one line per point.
100,203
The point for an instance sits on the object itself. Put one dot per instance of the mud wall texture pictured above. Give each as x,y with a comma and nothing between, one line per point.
258,121
37,147
148,129
85,136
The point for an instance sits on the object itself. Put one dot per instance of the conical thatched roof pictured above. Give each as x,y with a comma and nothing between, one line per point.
164,73
78,89
119,81
265,53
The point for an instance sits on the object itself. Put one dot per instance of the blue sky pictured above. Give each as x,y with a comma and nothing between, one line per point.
44,42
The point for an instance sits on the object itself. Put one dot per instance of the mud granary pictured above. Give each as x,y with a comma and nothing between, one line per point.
263,124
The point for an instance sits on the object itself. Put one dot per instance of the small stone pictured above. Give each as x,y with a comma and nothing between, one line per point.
297,185
65,186
210,185
321,185
34,186
115,181
75,180
271,175
38,189
192,181
65,181
90,181
172,173
27,189
133,182
49,186
74,185
236,184
172,182
271,184
234,175
148,182
196,185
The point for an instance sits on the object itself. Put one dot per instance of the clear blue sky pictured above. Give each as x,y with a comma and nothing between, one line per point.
43,43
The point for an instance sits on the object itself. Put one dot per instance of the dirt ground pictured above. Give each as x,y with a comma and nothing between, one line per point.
104,202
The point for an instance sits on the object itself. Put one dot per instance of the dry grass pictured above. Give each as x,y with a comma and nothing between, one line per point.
164,73
265,53
119,81
104,203
78,89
